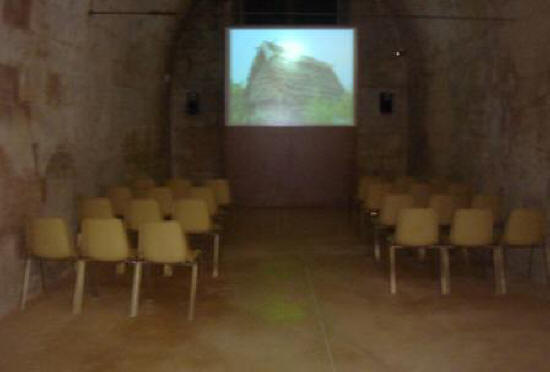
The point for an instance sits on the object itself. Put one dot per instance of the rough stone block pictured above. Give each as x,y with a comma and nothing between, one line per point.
17,13
9,84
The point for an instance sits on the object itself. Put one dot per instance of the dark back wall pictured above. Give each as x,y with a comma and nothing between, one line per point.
290,166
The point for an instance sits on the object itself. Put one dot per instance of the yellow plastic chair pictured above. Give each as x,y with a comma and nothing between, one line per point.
488,201
96,208
207,194
439,185
524,229
418,228
462,194
48,239
193,217
102,240
473,228
164,243
222,191
141,187
373,203
444,206
391,206
120,197
180,187
362,188
421,193
402,184
375,195
359,202
141,211
163,196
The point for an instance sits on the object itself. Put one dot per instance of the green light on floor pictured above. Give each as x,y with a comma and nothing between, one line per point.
279,310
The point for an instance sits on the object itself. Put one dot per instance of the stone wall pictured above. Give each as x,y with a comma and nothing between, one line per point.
199,67
82,105
381,138
482,100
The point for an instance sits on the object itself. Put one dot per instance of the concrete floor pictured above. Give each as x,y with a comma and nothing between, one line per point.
297,292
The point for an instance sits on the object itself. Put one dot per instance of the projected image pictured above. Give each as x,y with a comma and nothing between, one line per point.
291,77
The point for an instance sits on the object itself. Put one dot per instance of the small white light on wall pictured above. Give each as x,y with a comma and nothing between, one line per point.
398,53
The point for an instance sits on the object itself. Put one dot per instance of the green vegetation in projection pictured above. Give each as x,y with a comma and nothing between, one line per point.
238,106
330,112
289,91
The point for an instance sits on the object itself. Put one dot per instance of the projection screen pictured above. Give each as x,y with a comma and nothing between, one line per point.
290,77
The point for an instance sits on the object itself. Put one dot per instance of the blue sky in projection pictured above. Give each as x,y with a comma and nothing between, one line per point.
335,47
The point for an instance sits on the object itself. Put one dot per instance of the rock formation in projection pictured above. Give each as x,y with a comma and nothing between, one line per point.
290,90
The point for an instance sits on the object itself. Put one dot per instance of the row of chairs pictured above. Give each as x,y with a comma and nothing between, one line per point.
216,194
105,240
371,194
444,205
104,237
192,214
472,220
419,228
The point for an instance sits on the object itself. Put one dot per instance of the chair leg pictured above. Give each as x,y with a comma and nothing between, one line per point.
42,276
167,271
546,263
79,286
361,223
466,256
393,281
445,271
421,254
216,259
192,292
26,279
376,245
500,278
136,284
121,268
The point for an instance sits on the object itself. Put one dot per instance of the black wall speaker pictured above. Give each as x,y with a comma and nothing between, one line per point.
192,104
386,102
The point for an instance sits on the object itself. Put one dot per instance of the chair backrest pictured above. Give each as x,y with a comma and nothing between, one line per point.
375,194
458,188
141,211
444,206
362,187
141,186
180,187
221,189
207,194
439,185
120,197
391,206
488,201
192,215
402,184
525,226
416,227
104,239
163,196
462,194
163,242
421,194
472,227
49,237
96,208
